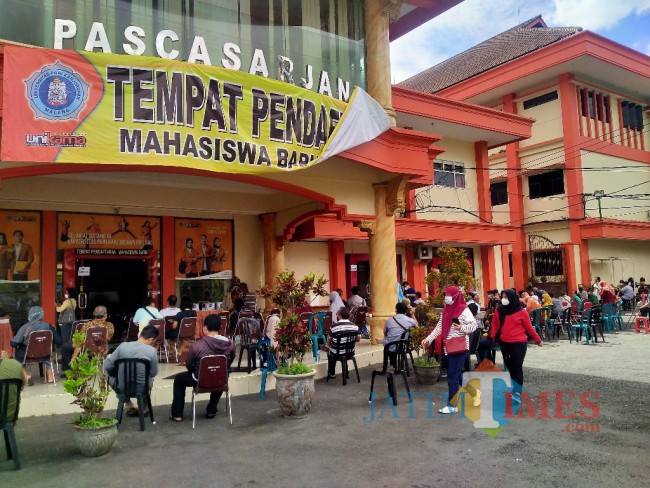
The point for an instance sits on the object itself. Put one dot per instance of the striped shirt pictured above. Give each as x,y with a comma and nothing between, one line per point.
342,327
468,325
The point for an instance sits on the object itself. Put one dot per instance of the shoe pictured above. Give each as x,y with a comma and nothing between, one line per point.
448,409
331,376
210,415
176,419
443,373
476,401
30,382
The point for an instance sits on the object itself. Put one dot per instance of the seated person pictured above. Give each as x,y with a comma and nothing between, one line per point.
69,352
532,304
186,312
342,326
140,349
12,369
147,312
35,323
593,296
418,299
210,344
269,331
171,309
395,327
355,299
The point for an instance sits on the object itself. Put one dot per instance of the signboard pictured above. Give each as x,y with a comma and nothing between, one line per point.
70,107
20,245
83,271
204,249
113,234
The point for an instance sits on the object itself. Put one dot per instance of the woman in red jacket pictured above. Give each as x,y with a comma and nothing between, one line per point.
510,326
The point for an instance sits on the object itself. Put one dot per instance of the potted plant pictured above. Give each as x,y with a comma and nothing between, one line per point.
93,434
294,380
425,365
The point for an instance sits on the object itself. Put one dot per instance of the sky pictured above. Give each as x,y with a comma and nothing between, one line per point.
473,21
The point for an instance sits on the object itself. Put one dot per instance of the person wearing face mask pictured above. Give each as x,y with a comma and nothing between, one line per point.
456,321
511,327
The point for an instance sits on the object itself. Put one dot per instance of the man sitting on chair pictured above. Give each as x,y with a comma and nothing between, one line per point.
342,326
140,349
211,344
68,352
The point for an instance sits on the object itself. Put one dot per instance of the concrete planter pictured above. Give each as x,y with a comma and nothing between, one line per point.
95,442
295,393
427,375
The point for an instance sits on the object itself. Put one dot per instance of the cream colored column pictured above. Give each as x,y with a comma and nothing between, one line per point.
378,13
273,251
383,271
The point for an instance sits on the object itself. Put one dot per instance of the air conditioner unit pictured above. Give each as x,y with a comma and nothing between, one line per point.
423,252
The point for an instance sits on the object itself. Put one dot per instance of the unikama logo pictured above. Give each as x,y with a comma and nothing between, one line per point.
56,92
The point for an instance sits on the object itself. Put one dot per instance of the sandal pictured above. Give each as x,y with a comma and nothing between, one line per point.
176,419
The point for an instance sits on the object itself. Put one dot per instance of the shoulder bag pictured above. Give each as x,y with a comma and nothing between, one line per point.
456,345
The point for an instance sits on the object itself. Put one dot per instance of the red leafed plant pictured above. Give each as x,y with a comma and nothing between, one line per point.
292,335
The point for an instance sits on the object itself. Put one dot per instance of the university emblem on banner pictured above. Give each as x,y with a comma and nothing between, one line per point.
56,92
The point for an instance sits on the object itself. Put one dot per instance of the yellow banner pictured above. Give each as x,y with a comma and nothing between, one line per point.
73,107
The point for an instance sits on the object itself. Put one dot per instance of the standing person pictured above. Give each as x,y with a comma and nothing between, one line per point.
207,254
355,299
171,309
218,255
186,312
456,321
510,327
140,349
22,257
67,313
5,257
189,259
336,303
473,303
596,284
19,342
211,344
237,307
146,313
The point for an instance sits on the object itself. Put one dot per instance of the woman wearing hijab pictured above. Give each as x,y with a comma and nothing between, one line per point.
532,304
456,321
19,342
547,301
607,294
336,303
509,327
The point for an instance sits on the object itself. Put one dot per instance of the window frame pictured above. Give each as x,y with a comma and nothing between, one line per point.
453,171
546,187
500,191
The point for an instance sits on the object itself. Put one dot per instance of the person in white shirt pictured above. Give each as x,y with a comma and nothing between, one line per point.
171,310
355,300
418,299
146,313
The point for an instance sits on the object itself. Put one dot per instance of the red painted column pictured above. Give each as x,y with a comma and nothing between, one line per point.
571,267
168,270
489,270
415,270
505,266
516,203
483,180
48,265
573,175
337,266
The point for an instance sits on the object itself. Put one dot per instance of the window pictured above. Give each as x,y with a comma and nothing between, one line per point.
632,114
449,174
499,193
592,105
540,100
546,184
548,263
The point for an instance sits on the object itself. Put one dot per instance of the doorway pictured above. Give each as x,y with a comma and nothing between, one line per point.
118,284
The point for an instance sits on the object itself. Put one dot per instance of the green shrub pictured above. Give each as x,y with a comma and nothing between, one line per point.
295,368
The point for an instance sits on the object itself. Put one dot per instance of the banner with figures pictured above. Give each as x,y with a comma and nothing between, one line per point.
20,245
85,107
101,231
204,249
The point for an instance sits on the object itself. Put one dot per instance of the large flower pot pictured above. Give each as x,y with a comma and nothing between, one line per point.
95,442
295,393
427,375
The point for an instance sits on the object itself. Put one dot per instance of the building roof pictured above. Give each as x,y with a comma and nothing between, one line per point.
511,44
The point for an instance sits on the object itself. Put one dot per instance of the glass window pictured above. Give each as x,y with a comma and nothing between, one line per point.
546,184
448,173
499,193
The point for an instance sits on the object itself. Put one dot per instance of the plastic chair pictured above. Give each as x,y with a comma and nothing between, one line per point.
583,326
606,316
317,332
639,322
224,322
8,419
536,319
267,363
618,316
132,332
213,377
130,383
344,345
248,330
160,344
96,340
401,349
39,350
186,332
76,327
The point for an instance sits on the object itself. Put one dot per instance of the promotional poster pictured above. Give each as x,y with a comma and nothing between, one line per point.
204,249
20,245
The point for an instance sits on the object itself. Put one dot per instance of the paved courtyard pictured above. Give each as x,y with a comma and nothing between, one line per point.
337,445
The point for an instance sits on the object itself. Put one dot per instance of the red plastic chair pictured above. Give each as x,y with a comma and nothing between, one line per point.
213,377
39,350
186,332
160,344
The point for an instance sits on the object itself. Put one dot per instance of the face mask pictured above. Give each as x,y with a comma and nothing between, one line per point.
449,300
505,302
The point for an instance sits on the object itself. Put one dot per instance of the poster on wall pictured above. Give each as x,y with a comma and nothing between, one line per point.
204,249
76,107
20,244
103,232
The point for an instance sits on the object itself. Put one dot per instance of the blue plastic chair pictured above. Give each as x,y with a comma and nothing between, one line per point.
536,319
583,326
267,362
317,322
617,316
607,316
